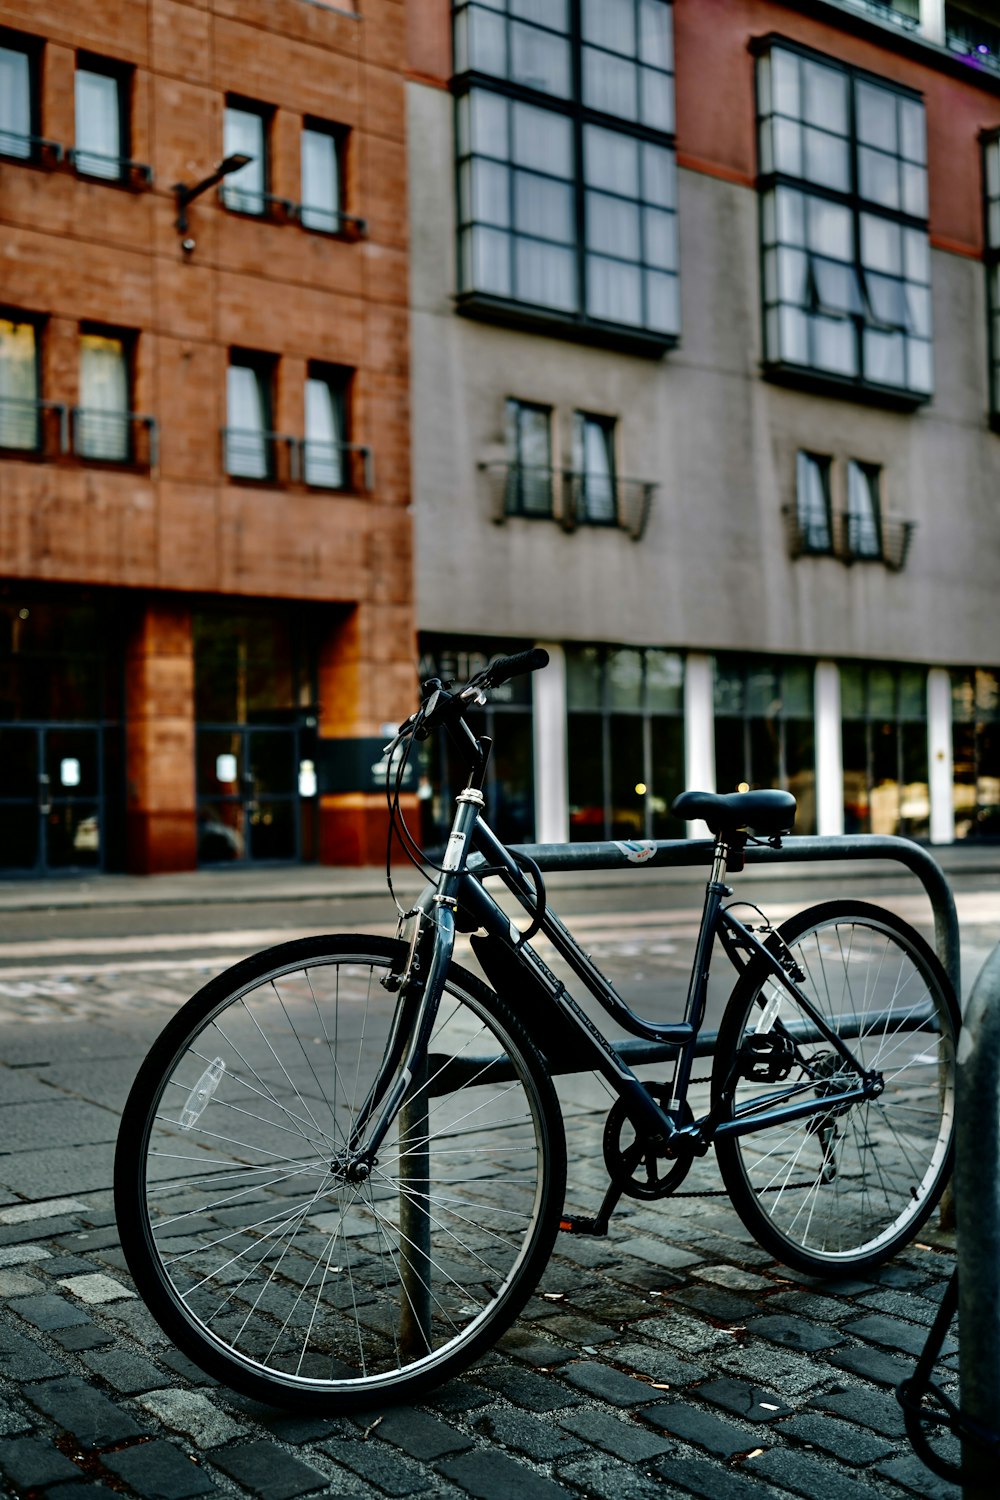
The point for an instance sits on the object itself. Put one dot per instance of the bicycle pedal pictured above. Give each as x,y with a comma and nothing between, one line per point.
767,1058
576,1224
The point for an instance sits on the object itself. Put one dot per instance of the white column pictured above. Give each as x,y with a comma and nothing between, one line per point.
829,750
699,731
939,754
932,20
548,692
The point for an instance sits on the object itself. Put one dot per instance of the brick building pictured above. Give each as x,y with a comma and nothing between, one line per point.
205,607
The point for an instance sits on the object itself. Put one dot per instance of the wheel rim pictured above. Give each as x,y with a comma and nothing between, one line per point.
269,1255
855,1182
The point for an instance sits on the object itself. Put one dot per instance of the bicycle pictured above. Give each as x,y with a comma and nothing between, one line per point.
341,1169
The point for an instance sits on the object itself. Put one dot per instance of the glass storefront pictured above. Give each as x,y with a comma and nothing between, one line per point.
61,743
975,710
765,731
626,741
256,729
884,714
510,783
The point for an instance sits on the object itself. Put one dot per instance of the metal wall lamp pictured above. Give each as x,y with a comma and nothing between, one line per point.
183,195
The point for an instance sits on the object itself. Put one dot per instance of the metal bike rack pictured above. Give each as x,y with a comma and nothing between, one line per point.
977,1205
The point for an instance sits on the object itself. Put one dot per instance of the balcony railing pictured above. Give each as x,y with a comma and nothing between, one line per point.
270,207
33,429
95,164
278,458
328,220
849,537
974,39
885,10
30,148
114,437
570,497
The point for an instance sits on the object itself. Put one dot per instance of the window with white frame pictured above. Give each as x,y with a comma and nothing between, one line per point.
245,133
19,409
594,478
846,252
566,163
325,418
322,205
813,512
103,419
18,98
991,183
101,102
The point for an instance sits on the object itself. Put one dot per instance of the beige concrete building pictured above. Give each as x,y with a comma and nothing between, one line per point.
703,401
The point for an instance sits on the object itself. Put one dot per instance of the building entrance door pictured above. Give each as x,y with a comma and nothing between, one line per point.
248,792
51,797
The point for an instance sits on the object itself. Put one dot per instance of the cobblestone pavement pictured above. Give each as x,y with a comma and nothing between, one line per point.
674,1358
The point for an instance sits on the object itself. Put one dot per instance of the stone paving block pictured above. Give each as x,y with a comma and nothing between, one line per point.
56,1171
712,1481
713,1302
915,1476
681,1331
658,1363
13,1422
618,1436
461,1396
137,1321
378,1465
67,1265
841,1439
22,1359
93,1420
892,1333
611,1304
602,1477
184,1368
97,1288
877,1410
692,1423
31,1465
494,1476
794,1333
644,1277
809,1476
47,1311
533,1351
18,1284
16,1234
872,1364
20,1255
160,1471
907,1305
580,1332
607,1384
193,1414
807,1305
525,1388
268,1471
896,1275
86,1336
659,1253
421,1435
750,1402
758,1363
733,1278
128,1374
538,1440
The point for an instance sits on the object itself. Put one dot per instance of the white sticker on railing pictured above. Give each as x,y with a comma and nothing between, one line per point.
636,851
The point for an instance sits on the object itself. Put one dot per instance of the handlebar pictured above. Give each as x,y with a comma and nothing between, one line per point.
506,667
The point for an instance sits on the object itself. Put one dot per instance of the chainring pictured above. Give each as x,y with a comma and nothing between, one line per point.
652,1176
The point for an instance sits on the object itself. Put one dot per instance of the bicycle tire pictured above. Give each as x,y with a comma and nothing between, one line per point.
845,1189
252,1251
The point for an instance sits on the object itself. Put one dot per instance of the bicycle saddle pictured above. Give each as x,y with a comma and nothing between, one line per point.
770,811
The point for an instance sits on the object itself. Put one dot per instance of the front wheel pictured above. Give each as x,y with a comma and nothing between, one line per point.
848,1184
253,1239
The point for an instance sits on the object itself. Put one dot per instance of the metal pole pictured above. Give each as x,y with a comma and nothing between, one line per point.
977,1200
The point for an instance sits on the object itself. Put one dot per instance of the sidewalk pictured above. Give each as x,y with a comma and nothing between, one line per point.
261,884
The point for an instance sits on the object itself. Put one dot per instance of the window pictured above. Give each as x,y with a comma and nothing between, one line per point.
864,512
245,131
991,174
884,726
529,448
103,420
18,98
567,191
594,489
813,513
975,697
764,730
323,449
19,410
321,180
626,726
248,436
846,252
102,146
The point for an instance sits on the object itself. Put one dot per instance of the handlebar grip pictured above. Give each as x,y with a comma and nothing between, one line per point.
506,667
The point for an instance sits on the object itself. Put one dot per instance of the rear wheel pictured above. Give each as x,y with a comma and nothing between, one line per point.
849,1184
247,1235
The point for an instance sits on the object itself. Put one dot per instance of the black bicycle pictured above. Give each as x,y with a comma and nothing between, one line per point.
341,1169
